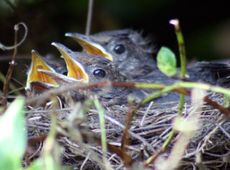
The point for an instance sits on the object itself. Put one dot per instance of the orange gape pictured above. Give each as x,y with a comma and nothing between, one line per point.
34,74
43,77
75,70
39,63
94,49
90,49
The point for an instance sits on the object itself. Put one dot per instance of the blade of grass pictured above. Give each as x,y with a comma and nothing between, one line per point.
101,113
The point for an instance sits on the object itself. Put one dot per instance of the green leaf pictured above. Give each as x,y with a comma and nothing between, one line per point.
13,136
166,61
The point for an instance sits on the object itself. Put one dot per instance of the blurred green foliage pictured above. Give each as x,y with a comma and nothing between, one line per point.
13,137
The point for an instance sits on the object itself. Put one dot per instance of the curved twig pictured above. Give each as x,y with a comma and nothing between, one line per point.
16,28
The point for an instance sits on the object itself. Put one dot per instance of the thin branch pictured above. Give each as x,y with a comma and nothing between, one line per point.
225,111
89,17
16,27
75,86
19,57
132,111
10,69
176,87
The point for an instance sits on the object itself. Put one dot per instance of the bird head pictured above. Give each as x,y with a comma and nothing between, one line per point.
127,49
87,68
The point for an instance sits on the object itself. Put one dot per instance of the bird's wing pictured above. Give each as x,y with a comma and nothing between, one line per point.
211,72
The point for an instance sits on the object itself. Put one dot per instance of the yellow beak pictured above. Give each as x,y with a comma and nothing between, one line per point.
34,75
75,69
90,46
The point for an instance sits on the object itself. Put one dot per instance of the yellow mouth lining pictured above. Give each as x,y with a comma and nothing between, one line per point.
75,69
34,75
94,49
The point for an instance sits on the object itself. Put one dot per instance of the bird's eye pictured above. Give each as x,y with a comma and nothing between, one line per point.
119,49
100,73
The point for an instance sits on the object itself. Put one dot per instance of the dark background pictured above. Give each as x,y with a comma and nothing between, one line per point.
205,25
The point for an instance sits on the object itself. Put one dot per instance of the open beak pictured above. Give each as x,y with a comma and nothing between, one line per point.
38,87
90,46
74,68
35,76
59,78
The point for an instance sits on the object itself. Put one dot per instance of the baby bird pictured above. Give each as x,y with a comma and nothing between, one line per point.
127,49
123,55
133,57
81,68
90,69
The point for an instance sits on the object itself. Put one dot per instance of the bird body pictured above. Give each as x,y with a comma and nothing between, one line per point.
133,55
123,55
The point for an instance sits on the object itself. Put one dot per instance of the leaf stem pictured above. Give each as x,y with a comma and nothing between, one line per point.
181,46
182,53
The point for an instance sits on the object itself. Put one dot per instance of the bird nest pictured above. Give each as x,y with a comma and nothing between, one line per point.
79,134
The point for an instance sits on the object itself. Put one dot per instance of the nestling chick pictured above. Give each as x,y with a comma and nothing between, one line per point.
127,49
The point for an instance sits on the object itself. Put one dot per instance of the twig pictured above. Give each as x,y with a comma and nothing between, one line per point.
145,114
157,94
84,162
75,86
10,69
19,57
133,110
153,157
3,47
125,135
225,111
191,85
134,135
131,114
185,133
89,17
178,85
11,85
12,63
204,86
